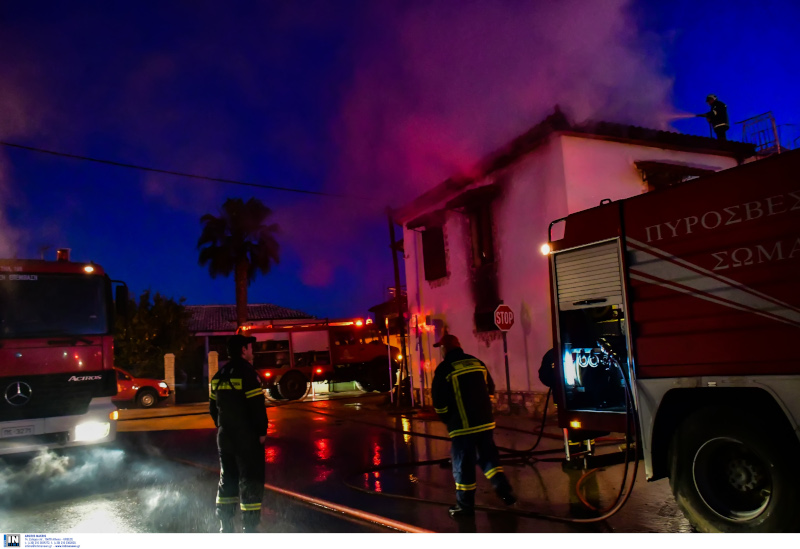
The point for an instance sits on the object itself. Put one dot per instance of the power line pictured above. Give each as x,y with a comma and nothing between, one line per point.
170,172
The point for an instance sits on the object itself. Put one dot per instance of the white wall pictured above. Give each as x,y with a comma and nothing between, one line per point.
565,175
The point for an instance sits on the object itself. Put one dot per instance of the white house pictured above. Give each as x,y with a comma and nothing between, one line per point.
474,241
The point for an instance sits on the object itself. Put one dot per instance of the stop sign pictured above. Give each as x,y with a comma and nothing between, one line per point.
504,317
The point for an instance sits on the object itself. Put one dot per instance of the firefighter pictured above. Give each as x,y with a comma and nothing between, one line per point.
237,406
717,117
461,388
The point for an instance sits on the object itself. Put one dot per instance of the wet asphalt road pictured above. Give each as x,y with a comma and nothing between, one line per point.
325,449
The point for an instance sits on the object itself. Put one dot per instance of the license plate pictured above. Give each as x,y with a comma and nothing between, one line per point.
20,431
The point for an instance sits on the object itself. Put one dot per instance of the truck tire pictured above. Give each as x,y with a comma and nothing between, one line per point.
274,393
730,473
365,385
292,385
146,398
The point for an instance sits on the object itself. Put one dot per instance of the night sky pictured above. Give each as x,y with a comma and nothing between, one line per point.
377,101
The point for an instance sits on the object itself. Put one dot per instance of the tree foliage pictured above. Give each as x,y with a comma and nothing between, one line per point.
156,325
240,241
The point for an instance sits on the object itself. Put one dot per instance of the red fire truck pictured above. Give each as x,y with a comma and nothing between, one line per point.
681,308
289,356
56,354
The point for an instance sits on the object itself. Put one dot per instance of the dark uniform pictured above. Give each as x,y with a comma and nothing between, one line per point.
237,406
717,117
461,389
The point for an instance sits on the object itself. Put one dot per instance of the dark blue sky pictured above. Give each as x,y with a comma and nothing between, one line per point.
375,100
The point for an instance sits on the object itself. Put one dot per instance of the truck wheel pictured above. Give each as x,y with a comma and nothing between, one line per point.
292,386
377,375
365,385
274,393
146,398
730,473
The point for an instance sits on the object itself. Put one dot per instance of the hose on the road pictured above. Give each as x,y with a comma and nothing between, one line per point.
527,456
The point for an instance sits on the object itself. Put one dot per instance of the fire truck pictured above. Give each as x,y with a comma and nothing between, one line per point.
680,309
56,354
289,356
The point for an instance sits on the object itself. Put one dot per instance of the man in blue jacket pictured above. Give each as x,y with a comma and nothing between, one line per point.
461,388
237,406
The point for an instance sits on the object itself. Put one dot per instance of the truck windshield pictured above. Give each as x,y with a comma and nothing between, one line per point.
46,305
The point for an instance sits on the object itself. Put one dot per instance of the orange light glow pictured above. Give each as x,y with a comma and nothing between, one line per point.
319,370
359,322
268,374
369,321
88,269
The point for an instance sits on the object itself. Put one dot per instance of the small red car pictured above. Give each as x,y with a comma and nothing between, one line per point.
145,392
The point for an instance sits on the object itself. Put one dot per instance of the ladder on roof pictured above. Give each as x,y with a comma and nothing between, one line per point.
762,132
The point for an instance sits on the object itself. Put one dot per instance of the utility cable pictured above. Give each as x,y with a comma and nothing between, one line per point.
176,173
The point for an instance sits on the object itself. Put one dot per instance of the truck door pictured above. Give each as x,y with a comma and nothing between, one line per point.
590,316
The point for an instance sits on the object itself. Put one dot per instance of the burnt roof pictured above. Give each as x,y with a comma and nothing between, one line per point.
222,318
558,123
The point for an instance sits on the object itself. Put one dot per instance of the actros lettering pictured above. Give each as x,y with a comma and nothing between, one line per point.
731,215
84,378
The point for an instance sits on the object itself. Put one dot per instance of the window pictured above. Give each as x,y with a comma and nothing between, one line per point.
433,253
480,222
270,354
659,175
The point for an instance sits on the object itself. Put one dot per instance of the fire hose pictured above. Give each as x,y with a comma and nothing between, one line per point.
528,456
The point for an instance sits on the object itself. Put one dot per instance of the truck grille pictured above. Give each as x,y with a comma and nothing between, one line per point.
53,395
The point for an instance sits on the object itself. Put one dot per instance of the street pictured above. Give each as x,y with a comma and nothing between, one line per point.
161,474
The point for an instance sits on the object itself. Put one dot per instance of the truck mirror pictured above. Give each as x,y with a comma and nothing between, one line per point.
121,301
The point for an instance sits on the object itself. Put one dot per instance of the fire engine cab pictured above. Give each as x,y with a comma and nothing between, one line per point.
680,309
290,356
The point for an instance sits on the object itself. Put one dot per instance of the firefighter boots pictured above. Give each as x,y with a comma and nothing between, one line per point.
250,520
226,526
457,511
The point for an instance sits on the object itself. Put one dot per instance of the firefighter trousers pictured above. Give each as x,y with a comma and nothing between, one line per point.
241,478
466,452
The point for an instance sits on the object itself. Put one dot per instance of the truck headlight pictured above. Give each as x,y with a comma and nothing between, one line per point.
162,384
92,430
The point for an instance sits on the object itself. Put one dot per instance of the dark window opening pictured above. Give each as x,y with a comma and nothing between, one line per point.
659,175
433,253
480,223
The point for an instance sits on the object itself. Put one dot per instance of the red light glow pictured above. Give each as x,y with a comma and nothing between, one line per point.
271,454
323,448
376,457
319,370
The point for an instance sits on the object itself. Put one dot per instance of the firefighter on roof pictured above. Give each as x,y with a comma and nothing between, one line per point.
717,117
461,389
237,406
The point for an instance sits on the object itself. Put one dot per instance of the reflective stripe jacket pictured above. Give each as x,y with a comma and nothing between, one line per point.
236,402
461,389
718,115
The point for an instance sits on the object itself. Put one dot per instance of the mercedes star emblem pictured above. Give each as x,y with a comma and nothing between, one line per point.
18,393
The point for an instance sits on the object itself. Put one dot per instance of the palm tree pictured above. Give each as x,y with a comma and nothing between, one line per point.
239,241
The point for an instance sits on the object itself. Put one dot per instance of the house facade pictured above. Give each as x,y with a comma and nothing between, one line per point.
473,242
